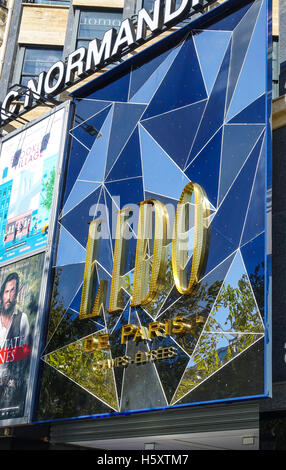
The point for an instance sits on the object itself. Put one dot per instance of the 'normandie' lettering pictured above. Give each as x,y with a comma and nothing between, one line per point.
85,61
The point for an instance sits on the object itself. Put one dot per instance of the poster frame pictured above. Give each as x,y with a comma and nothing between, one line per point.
48,250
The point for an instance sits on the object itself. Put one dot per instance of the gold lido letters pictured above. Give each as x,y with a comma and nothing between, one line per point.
147,287
116,303
145,292
179,244
86,309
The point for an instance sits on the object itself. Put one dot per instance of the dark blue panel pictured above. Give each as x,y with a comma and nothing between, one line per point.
252,77
225,233
69,250
204,170
141,73
112,205
254,113
255,220
76,221
157,163
68,280
238,141
240,39
148,89
79,154
176,90
133,316
166,200
70,329
130,191
210,63
231,21
87,132
220,247
214,113
128,164
79,192
95,164
113,91
125,118
253,254
181,123
85,109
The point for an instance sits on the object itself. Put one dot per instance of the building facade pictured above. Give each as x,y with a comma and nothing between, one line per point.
240,412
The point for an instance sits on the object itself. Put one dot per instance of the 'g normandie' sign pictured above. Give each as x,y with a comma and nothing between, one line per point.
85,61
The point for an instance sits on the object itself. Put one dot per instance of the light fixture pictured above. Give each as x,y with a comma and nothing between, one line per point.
149,446
248,440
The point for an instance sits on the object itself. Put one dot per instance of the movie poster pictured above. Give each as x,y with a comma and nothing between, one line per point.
20,285
28,167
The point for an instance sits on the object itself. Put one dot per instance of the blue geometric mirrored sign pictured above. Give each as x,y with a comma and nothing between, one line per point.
192,108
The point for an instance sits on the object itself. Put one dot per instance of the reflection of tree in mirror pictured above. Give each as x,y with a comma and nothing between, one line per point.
79,366
241,312
195,309
64,323
257,282
225,338
56,307
62,397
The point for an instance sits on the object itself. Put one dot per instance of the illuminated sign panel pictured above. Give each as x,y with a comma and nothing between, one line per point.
28,167
30,164
161,276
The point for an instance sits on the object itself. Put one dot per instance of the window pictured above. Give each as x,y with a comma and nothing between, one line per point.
49,2
37,60
93,24
148,4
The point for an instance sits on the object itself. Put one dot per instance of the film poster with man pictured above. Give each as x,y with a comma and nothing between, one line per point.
20,285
